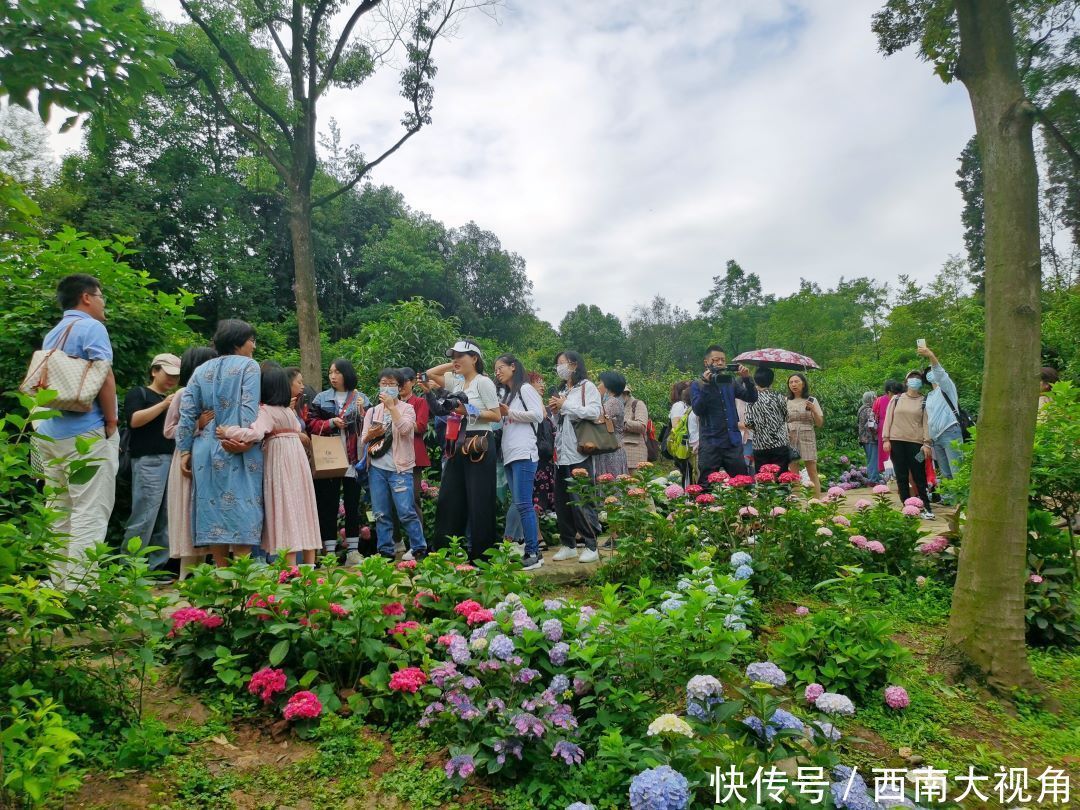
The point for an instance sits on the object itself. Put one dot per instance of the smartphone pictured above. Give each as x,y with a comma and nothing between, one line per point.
422,377
921,343
731,368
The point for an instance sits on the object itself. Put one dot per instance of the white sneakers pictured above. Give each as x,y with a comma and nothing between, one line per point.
407,556
586,556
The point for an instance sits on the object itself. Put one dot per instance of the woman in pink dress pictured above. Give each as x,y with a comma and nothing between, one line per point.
290,519
881,406
179,488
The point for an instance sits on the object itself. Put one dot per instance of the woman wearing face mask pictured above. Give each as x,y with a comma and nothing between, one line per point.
906,437
522,410
804,415
388,437
577,399
339,411
611,387
467,497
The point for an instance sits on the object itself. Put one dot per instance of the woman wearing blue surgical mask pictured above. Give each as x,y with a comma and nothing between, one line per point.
906,437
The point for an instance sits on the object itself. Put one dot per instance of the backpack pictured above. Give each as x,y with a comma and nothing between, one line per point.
545,436
652,447
678,440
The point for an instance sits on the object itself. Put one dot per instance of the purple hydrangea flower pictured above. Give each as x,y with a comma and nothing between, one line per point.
581,687
562,716
559,684
819,731
461,765
459,651
496,705
526,675
571,754
504,748
553,630
443,673
703,686
430,711
528,725
522,622
833,703
559,653
766,672
501,646
662,788
554,604
580,806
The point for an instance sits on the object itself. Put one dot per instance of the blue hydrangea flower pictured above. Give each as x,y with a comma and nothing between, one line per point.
743,572
740,558
786,720
669,606
684,584
580,806
854,786
820,731
501,646
766,672
711,589
662,788
559,653
702,686
571,754
834,703
553,604
559,684
733,621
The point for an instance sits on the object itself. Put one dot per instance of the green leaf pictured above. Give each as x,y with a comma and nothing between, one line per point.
278,652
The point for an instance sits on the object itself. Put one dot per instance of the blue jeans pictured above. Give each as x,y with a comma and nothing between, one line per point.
945,454
149,519
520,476
872,473
395,488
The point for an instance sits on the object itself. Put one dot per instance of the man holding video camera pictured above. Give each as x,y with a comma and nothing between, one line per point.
712,398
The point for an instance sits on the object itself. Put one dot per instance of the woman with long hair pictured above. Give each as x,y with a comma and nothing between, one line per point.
804,416
576,400
226,491
906,437
179,489
611,386
339,411
467,495
868,435
522,410
680,409
881,407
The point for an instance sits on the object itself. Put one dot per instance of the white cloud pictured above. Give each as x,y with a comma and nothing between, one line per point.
626,149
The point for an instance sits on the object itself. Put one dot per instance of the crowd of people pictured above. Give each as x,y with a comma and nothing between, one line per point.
223,462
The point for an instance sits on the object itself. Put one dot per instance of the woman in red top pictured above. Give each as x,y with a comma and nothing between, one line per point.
881,406
423,413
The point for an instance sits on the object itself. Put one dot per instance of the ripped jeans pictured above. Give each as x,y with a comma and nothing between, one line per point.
394,488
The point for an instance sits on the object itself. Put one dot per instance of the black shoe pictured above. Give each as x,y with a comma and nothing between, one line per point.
531,563
419,555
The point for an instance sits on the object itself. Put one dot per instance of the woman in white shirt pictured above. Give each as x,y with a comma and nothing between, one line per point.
522,410
467,497
577,399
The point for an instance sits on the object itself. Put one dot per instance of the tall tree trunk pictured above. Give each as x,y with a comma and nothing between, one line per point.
307,302
987,619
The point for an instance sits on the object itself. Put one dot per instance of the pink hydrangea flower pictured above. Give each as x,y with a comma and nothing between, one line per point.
673,491
777,511
267,682
858,541
789,478
862,503
463,567
185,616
1035,579
393,609
748,511
718,477
705,499
212,621
824,531
813,692
840,520
402,628
935,545
636,492
338,610
579,472
292,572
876,547
911,511
479,616
694,489
740,481
835,492
605,478
880,489
409,679
406,565
896,697
802,610
304,705
913,501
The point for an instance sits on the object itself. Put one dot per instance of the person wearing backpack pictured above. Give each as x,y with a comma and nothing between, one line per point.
675,436
944,415
906,437
522,413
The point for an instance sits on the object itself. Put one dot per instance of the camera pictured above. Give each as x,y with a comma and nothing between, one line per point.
443,403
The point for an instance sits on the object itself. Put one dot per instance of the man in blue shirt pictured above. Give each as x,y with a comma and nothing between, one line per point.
84,507
712,398
942,415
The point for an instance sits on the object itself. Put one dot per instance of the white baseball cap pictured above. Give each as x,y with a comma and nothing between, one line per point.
463,346
169,363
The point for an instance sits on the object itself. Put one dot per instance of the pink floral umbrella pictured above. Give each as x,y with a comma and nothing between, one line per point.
777,358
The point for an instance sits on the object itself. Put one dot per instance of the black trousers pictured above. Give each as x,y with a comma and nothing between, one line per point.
780,456
713,458
467,502
573,517
903,459
328,493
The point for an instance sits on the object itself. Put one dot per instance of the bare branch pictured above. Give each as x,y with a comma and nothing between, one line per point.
235,70
366,168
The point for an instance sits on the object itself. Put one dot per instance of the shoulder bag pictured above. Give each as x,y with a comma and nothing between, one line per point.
595,438
77,382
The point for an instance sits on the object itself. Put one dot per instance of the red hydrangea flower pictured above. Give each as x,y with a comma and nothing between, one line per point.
467,607
393,609
770,468
765,478
694,489
212,621
421,595
740,481
718,477
267,682
789,478
409,679
304,705
338,610
289,573
605,478
479,616
406,565
401,628
705,498
185,616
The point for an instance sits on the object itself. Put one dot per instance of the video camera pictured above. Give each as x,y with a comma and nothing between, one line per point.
443,403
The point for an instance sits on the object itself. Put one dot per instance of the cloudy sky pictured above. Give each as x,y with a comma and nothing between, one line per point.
628,148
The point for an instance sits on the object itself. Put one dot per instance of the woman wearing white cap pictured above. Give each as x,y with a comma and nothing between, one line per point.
467,498
151,455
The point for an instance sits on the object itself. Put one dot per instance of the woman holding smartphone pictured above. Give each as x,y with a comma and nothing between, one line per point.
906,437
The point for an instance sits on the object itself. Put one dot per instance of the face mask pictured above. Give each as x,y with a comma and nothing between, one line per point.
914,383
390,390
563,370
